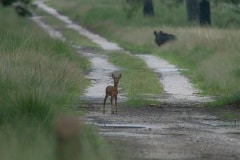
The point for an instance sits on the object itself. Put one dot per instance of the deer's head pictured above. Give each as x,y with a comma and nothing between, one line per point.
116,78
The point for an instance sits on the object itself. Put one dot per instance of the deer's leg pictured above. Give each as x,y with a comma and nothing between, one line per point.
112,109
104,103
116,104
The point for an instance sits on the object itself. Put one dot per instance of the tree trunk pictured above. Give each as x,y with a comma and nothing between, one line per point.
205,13
192,10
179,1
7,2
148,8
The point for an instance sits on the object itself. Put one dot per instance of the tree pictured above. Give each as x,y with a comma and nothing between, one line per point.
7,2
148,9
199,11
204,14
192,10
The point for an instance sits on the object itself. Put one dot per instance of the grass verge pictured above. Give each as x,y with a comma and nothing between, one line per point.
40,78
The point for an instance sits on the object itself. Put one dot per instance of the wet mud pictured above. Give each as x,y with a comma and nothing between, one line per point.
172,131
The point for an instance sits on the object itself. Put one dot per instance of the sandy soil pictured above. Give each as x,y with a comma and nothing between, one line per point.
176,128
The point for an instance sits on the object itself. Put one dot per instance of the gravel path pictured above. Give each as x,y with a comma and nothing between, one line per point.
178,128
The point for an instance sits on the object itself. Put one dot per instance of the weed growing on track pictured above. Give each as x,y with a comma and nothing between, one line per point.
72,36
77,39
137,81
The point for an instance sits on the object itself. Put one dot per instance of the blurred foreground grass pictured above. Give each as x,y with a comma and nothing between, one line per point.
40,78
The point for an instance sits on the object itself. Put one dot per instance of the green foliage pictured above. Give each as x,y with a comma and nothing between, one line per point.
235,2
131,7
106,12
9,2
233,98
26,1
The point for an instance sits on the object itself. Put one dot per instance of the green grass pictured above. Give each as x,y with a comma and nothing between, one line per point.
134,92
78,39
36,71
34,142
137,81
71,35
26,143
29,76
52,21
40,78
97,14
210,54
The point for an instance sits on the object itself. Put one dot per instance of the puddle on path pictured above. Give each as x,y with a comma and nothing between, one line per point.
123,126
127,134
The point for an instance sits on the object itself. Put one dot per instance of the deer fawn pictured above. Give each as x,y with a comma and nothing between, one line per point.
113,92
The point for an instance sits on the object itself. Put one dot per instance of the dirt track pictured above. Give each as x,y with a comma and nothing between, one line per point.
167,131
172,129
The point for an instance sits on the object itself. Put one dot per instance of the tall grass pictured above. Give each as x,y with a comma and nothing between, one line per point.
37,72
210,54
39,78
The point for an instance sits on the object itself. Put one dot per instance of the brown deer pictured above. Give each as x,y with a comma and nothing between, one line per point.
113,92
